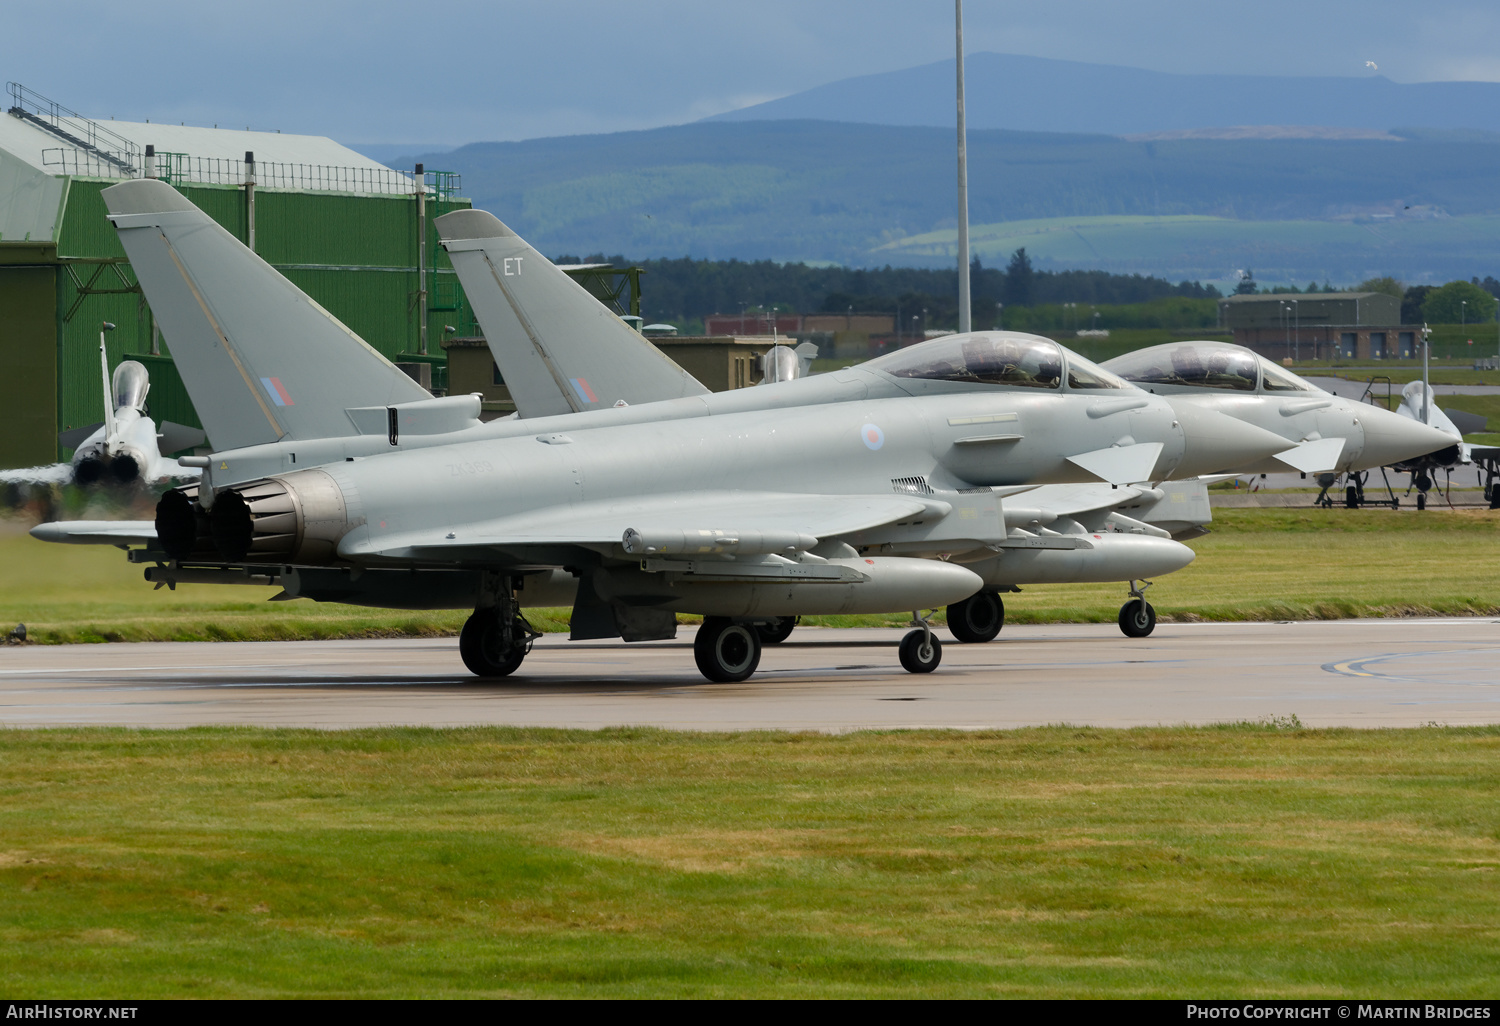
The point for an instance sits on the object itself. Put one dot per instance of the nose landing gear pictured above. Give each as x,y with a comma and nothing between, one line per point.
1137,616
920,651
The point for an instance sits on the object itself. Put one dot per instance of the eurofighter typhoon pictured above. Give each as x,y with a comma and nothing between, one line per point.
125,448
336,476
557,346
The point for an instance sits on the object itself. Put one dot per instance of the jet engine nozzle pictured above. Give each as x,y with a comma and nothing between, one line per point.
297,518
88,470
125,468
182,525
1214,443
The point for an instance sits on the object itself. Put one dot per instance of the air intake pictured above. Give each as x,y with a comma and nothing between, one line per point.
911,485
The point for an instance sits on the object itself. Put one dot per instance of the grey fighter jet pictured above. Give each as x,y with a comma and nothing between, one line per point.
1052,534
830,494
1418,404
1330,433
125,448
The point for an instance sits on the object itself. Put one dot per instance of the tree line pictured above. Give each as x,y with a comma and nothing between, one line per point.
684,291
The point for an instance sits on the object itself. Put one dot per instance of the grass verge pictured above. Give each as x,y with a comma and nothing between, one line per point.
1242,861
1258,564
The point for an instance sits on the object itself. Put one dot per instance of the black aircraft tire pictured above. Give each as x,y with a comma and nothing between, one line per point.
977,619
1351,497
777,631
726,652
1137,619
1421,501
917,655
479,645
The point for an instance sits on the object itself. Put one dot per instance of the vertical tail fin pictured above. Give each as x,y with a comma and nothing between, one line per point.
558,348
109,393
260,359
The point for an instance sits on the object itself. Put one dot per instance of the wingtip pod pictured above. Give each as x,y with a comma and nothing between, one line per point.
471,224
144,196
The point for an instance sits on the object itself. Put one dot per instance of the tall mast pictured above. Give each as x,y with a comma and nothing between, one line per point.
964,307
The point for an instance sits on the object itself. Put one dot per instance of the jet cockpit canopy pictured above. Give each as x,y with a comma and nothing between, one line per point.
1218,365
130,384
997,358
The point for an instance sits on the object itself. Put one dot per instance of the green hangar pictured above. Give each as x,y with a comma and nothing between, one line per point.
355,235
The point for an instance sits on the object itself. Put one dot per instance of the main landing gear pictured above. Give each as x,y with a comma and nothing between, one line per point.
977,618
1137,616
728,651
496,638
725,651
777,630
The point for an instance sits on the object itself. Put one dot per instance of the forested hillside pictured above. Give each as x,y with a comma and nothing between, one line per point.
820,191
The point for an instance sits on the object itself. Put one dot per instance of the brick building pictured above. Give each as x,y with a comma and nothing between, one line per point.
1322,325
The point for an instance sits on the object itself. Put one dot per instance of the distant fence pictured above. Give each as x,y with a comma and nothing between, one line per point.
182,168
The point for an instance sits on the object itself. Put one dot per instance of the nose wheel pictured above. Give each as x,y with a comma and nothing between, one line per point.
921,651
1137,616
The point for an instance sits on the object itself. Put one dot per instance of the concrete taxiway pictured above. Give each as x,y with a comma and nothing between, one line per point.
1362,673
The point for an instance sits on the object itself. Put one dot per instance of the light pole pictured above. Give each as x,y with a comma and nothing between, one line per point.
964,308
1296,332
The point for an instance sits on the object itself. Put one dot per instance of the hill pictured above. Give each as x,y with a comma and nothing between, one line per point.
1043,95
869,194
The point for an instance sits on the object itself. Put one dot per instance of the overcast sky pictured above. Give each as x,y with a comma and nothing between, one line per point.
460,71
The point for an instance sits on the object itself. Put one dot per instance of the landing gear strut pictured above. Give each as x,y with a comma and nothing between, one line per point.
977,618
1137,616
920,651
496,638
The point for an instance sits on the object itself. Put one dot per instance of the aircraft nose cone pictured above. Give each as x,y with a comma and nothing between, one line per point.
1391,438
1214,443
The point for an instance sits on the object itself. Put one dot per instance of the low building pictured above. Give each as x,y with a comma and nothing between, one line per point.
1322,325
721,362
472,369
849,335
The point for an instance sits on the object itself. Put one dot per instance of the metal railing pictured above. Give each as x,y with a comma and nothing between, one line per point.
92,138
185,168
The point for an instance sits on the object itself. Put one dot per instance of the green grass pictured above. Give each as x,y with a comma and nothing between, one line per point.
1241,861
1257,564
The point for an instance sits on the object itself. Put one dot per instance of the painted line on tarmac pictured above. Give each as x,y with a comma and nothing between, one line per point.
1357,668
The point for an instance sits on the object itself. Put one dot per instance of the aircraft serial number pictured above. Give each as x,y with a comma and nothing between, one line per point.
477,467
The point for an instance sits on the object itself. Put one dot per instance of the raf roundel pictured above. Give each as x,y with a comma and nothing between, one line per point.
874,437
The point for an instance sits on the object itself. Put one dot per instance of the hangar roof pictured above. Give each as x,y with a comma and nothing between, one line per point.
29,142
